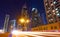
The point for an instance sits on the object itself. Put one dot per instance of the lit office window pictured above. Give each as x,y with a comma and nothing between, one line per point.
54,2
56,9
53,11
58,14
49,15
48,11
46,3
51,19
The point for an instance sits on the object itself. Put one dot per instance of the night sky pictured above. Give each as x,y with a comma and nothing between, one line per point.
13,8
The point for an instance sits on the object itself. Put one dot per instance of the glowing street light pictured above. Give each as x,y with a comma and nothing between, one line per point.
27,21
22,20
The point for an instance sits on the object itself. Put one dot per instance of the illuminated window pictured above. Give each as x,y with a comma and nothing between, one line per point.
51,4
58,14
56,9
49,15
54,2
53,10
46,3
54,13
51,19
48,11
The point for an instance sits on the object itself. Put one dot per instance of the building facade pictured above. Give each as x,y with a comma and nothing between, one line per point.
6,23
36,18
54,27
52,9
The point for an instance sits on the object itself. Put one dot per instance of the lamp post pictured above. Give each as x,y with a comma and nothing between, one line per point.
24,23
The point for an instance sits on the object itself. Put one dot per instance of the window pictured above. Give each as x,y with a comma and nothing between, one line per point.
55,27
49,13
51,27
56,9
53,13
44,28
51,19
51,4
55,18
54,2
53,10
50,22
57,12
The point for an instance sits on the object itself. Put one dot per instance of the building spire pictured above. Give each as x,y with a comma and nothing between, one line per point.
24,12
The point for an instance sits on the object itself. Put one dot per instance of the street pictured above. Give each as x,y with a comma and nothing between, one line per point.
37,34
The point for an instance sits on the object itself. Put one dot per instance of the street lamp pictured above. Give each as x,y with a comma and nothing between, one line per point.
27,21
24,22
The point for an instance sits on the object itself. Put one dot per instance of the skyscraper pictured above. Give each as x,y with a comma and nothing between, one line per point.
6,23
24,12
12,25
52,9
36,20
24,16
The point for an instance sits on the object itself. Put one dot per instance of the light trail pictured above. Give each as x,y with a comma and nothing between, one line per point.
35,34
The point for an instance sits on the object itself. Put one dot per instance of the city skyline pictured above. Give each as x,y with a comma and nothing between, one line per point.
14,8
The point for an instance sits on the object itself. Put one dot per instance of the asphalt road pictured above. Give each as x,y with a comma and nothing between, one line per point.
33,34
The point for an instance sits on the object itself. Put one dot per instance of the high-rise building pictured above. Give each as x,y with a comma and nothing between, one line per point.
24,12
52,9
25,16
36,20
6,23
12,25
